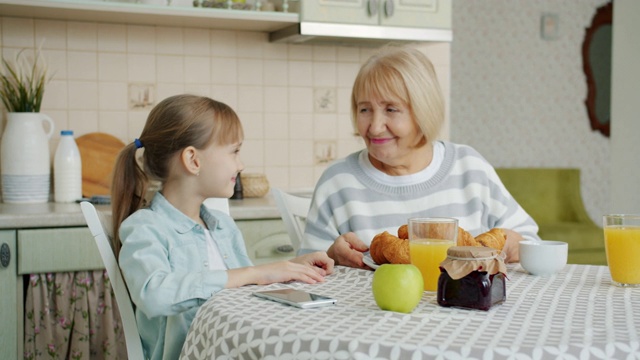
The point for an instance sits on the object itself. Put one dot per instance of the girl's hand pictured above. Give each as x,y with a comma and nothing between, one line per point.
511,246
347,250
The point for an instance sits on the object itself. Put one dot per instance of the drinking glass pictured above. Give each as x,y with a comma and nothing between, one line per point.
622,244
429,239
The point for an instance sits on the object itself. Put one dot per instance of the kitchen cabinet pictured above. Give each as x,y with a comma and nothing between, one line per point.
43,238
403,13
145,14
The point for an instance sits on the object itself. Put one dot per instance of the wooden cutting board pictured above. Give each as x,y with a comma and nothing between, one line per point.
98,152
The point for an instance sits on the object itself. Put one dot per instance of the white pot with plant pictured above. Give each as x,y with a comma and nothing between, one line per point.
24,154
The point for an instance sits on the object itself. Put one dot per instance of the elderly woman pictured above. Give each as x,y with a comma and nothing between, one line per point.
404,172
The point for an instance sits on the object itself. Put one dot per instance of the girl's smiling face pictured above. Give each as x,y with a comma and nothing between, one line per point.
223,164
392,136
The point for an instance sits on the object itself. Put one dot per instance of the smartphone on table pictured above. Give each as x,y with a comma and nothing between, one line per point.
297,298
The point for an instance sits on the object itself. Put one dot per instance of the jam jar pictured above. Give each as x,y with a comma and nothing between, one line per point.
472,277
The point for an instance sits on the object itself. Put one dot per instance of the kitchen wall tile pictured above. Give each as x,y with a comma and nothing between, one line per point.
197,70
300,73
300,153
112,96
252,124
301,176
348,54
346,147
324,74
18,32
82,36
60,122
112,37
224,71
137,119
276,72
343,96
249,44
197,42
83,95
198,89
227,94
276,153
56,62
169,40
301,126
83,121
438,53
300,52
164,90
223,43
252,154
324,126
276,99
274,51
324,53
112,67
347,74
346,130
115,123
276,126
82,65
278,176
250,72
250,99
55,96
170,69
141,68
51,34
141,39
300,99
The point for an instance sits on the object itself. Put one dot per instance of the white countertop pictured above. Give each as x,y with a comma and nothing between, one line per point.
24,216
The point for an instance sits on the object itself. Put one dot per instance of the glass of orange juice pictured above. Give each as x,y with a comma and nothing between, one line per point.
622,244
429,239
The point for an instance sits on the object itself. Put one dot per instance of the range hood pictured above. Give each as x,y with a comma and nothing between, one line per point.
318,33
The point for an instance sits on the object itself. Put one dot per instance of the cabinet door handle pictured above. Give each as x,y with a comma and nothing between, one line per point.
5,255
389,8
372,7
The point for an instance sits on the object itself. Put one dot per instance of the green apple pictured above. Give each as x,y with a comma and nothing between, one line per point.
397,287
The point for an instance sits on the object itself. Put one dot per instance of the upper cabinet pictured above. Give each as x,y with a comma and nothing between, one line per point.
369,22
145,14
404,13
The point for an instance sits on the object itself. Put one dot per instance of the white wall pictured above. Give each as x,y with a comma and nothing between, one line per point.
625,109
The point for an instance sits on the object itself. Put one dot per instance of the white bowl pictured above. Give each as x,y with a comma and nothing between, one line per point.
544,257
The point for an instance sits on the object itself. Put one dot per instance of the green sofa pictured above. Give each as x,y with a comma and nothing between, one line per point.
552,197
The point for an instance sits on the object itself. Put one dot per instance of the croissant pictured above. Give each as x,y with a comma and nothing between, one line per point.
465,238
494,238
387,248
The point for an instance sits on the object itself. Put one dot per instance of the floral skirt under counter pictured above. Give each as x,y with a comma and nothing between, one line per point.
72,315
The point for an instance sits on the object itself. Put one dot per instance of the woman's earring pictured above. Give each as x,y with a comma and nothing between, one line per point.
198,173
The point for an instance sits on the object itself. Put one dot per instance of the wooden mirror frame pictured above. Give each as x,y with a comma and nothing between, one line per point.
603,16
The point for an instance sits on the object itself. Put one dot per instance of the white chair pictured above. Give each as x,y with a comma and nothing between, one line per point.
294,210
101,234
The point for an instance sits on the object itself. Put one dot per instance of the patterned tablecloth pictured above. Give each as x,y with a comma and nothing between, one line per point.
575,314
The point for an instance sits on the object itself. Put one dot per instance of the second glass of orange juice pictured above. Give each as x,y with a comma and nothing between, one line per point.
622,244
429,239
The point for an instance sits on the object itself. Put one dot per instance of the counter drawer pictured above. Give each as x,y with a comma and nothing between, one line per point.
57,250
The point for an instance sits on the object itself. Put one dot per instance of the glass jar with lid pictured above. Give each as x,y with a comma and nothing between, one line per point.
472,277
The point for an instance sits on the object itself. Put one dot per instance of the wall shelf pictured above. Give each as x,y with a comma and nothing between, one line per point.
141,14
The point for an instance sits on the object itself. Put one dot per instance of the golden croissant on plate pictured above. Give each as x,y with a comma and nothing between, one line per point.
387,248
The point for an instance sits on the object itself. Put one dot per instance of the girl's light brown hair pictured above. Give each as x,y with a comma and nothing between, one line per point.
404,74
172,125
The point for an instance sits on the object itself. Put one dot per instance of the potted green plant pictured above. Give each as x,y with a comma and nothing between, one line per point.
24,155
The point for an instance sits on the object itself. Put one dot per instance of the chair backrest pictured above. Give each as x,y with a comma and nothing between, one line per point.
221,204
99,229
294,210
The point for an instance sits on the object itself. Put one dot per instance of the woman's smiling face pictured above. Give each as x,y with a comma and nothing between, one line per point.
392,136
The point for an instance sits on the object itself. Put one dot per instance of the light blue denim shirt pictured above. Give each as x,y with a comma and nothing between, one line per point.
164,262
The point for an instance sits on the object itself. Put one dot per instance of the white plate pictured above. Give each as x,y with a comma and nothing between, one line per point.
368,260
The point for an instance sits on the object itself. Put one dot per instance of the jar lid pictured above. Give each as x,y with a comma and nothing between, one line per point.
462,260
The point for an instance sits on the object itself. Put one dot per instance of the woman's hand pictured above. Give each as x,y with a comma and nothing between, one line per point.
347,250
511,246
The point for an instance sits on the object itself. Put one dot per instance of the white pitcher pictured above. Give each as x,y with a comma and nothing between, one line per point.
25,161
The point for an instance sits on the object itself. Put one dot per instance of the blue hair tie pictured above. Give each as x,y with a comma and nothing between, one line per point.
138,143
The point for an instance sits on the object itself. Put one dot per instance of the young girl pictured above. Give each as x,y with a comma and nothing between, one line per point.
174,252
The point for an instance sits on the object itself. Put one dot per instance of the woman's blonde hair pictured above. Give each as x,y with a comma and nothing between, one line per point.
172,125
406,74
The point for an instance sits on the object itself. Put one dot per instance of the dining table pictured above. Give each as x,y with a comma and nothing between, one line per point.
576,313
